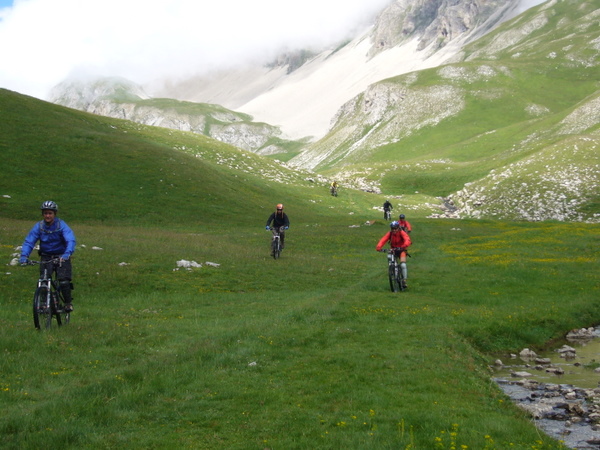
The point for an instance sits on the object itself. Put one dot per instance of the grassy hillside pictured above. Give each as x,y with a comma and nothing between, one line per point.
108,170
526,90
309,351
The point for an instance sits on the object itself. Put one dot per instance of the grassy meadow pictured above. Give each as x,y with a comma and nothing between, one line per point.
309,351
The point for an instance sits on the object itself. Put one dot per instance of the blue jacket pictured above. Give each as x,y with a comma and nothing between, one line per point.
56,239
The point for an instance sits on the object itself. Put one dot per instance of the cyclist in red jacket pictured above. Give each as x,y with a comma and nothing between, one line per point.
399,241
405,224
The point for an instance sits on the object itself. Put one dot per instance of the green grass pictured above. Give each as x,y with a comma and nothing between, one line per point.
309,351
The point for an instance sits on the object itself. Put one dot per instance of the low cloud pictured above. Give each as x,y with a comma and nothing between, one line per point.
44,42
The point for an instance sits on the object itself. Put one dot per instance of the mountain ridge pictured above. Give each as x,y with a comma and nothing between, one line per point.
501,103
296,93
274,96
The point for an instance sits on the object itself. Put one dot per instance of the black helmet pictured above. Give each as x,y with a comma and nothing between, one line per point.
49,204
394,225
402,216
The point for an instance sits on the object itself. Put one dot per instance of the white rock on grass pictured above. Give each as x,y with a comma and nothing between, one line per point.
188,264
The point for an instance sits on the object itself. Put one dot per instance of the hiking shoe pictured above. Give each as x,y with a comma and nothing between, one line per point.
404,285
68,307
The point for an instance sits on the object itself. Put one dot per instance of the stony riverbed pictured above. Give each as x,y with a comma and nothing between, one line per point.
544,385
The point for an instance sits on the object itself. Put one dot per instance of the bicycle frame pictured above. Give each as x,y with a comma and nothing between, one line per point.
395,275
50,304
276,242
46,281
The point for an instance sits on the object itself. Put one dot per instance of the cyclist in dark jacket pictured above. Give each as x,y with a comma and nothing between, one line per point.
57,240
387,206
279,219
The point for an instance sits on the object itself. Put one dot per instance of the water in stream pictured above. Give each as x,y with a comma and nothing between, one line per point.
580,371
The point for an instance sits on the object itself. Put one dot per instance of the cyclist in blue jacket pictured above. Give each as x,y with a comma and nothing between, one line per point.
57,240
279,219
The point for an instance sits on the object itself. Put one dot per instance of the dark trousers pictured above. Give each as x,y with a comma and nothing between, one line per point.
63,271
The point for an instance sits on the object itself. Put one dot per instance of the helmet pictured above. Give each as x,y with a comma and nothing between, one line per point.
402,216
279,206
394,225
49,204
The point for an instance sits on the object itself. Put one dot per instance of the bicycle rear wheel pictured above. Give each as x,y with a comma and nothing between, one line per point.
62,315
393,276
401,279
42,315
57,308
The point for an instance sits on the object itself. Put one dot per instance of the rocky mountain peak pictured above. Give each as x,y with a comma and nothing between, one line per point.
80,94
434,23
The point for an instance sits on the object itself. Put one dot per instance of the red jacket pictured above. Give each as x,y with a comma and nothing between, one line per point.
405,224
397,239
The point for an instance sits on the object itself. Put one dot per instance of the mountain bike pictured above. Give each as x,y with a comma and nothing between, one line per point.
397,281
333,190
387,214
48,300
276,241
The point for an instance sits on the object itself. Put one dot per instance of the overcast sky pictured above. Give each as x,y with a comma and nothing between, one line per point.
42,42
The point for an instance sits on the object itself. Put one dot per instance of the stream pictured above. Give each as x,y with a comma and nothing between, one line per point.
559,387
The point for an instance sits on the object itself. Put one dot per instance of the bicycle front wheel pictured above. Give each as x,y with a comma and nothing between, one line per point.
275,249
393,276
42,314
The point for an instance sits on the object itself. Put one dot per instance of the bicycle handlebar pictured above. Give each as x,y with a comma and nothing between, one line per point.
31,262
281,228
391,250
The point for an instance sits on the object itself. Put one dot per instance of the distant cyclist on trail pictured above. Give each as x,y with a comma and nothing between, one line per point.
57,241
333,187
387,208
279,219
400,241
404,224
